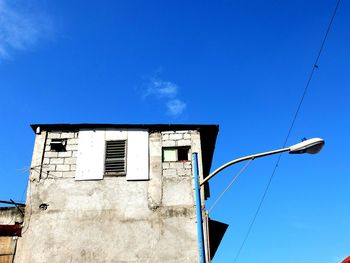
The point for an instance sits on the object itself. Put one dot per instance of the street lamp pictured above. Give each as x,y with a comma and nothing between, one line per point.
311,146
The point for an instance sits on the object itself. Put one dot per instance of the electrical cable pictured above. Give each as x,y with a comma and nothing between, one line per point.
29,210
229,185
315,66
23,200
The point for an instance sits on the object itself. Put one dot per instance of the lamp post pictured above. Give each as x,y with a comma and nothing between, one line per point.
311,146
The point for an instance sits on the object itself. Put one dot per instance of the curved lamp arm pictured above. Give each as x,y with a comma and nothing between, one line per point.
312,146
249,157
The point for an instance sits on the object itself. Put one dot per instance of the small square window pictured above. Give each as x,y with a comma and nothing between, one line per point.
58,145
182,154
176,154
169,155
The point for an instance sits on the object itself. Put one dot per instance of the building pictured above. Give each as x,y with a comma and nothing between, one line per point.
116,193
11,219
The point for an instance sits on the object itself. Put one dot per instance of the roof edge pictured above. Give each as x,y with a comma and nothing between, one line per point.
161,127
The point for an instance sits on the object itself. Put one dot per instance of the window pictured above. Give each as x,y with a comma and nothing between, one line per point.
176,154
112,153
115,161
58,145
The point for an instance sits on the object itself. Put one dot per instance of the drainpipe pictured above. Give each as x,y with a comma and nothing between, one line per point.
198,209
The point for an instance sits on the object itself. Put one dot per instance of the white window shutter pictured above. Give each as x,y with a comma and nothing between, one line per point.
91,154
112,135
137,155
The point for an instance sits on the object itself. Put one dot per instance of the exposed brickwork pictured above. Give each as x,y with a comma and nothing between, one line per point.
177,139
63,164
60,164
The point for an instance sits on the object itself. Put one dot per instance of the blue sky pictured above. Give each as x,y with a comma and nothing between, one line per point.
240,64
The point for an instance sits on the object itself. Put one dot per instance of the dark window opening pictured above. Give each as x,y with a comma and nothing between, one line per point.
58,145
182,154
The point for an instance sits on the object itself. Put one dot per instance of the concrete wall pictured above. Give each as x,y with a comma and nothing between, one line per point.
10,215
109,220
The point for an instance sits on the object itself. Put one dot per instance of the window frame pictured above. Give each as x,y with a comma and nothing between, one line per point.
176,149
58,145
117,173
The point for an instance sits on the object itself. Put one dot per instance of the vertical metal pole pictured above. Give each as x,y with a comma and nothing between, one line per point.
198,208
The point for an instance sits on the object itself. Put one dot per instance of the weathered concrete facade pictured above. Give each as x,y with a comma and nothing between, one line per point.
11,215
112,219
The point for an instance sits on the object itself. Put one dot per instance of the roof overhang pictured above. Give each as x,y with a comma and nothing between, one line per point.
11,230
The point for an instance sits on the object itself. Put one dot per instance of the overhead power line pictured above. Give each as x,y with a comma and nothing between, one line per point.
314,67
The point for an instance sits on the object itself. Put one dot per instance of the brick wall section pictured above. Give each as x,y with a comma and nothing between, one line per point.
60,164
177,139
63,164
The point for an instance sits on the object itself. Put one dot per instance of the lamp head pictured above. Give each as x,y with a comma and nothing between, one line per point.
312,146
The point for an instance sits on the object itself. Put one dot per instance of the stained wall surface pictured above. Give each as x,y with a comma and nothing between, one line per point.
112,219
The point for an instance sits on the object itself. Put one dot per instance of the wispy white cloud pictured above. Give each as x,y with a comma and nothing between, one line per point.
176,107
167,92
161,88
20,30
